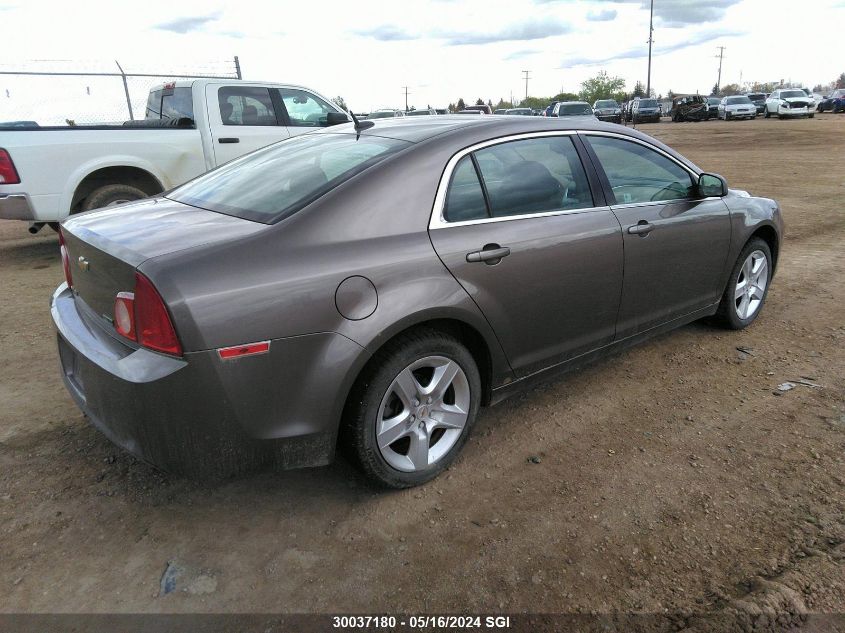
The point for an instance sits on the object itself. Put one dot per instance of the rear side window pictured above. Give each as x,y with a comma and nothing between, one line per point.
465,198
277,181
639,174
305,109
533,176
245,105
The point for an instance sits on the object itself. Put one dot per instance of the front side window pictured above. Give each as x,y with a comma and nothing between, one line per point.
277,181
305,109
244,105
534,176
639,174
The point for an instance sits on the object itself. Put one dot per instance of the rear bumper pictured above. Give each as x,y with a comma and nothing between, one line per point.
16,206
201,416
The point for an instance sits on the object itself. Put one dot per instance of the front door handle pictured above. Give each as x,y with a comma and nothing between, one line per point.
641,228
490,254
228,139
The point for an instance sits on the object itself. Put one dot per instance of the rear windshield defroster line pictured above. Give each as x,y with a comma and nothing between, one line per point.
273,183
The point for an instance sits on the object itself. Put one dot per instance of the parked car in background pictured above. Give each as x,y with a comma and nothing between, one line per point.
628,109
737,107
759,101
500,111
386,113
549,108
520,111
470,112
839,104
188,128
580,109
484,109
422,112
688,108
827,103
441,110
815,98
537,255
788,102
713,107
608,110
645,111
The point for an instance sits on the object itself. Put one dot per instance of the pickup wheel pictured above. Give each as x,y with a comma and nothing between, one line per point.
111,195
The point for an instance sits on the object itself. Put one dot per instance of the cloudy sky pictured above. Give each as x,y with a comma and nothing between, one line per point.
440,49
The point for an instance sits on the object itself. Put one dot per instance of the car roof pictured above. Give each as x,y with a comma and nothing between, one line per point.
418,129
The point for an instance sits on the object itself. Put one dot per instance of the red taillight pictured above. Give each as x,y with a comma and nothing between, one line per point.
142,316
8,173
65,260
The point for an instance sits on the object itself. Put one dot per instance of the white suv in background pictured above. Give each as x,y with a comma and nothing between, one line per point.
786,102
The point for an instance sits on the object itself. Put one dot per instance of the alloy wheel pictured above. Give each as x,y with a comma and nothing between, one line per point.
423,413
751,285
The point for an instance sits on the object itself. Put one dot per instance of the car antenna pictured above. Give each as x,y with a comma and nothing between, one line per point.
359,125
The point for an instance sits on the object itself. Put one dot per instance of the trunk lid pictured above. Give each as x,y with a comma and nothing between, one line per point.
105,247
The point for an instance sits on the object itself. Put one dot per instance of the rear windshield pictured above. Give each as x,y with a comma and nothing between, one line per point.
648,103
170,103
574,109
279,180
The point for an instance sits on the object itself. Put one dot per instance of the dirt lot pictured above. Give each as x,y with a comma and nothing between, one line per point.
670,477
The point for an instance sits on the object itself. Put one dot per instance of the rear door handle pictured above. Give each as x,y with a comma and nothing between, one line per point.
641,228
228,139
489,255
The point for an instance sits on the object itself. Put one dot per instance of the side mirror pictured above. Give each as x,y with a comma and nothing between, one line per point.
336,118
712,185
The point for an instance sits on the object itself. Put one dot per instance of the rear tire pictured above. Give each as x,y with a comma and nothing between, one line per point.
112,195
766,113
737,309
401,384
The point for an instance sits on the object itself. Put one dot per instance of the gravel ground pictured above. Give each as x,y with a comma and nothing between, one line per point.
673,477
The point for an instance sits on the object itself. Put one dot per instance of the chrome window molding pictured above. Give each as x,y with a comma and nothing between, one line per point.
437,220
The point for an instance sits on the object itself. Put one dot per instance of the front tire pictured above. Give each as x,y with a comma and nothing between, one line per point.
412,409
112,195
766,113
748,286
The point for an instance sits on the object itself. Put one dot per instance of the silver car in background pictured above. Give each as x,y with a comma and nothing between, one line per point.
369,287
608,110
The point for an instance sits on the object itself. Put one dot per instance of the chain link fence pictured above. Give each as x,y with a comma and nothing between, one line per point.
63,92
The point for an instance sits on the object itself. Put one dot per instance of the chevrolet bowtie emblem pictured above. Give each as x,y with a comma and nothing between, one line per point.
83,263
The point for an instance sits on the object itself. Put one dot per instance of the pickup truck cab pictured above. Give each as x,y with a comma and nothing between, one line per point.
189,127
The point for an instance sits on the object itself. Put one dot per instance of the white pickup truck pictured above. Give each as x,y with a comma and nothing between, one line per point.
48,173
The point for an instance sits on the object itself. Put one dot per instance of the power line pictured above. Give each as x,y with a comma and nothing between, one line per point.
719,77
405,88
650,41
527,77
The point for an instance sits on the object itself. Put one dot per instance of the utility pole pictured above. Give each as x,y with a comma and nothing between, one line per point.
650,41
405,88
719,77
527,77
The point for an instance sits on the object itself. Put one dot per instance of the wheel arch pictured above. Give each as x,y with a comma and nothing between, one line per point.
769,235
93,176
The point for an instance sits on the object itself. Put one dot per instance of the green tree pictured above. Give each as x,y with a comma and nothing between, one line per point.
639,90
461,105
564,96
479,101
840,81
535,103
503,105
602,86
729,89
452,108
